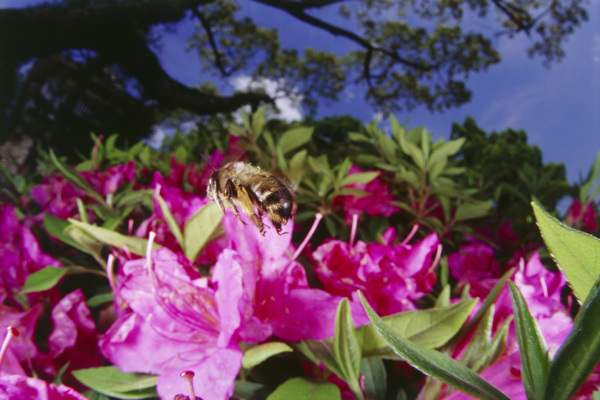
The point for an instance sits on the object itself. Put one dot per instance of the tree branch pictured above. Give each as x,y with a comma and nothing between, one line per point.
114,31
211,40
297,10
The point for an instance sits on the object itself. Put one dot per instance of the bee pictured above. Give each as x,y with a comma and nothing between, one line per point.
242,185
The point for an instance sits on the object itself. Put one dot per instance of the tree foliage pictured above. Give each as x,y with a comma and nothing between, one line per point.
510,171
402,54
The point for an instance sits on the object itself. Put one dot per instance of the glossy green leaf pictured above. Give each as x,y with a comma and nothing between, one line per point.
433,362
74,178
257,354
134,245
429,328
112,382
358,137
579,354
43,279
258,122
577,254
446,150
201,229
346,347
303,389
533,349
472,210
170,220
57,227
100,299
359,178
294,138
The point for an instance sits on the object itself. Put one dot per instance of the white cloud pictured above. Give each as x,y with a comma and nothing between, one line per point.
156,137
289,109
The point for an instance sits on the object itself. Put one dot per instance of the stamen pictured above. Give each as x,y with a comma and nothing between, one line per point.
10,334
438,255
110,272
188,377
313,228
130,226
410,234
521,264
353,231
544,286
151,237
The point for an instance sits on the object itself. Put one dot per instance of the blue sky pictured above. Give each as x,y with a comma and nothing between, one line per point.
559,108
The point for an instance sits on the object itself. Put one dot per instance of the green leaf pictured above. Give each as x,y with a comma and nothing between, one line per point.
257,354
358,137
43,279
580,352
100,299
248,390
170,220
74,178
294,138
446,150
112,382
134,245
472,210
576,253
258,122
375,378
57,227
359,178
489,301
320,351
201,229
303,389
428,328
346,347
433,362
533,349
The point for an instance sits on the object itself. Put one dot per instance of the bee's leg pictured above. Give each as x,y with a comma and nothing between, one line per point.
247,200
229,193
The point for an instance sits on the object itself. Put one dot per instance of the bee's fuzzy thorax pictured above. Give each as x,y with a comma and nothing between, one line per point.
238,184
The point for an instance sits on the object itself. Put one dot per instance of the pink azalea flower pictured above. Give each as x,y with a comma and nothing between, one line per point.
277,299
178,321
15,387
580,218
474,264
182,206
74,339
109,180
57,196
390,276
377,201
22,387
541,289
20,253
23,349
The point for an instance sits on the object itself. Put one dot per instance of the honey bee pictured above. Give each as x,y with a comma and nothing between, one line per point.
238,184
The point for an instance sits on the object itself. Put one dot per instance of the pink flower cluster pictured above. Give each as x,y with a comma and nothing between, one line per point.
474,264
377,199
171,318
391,276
